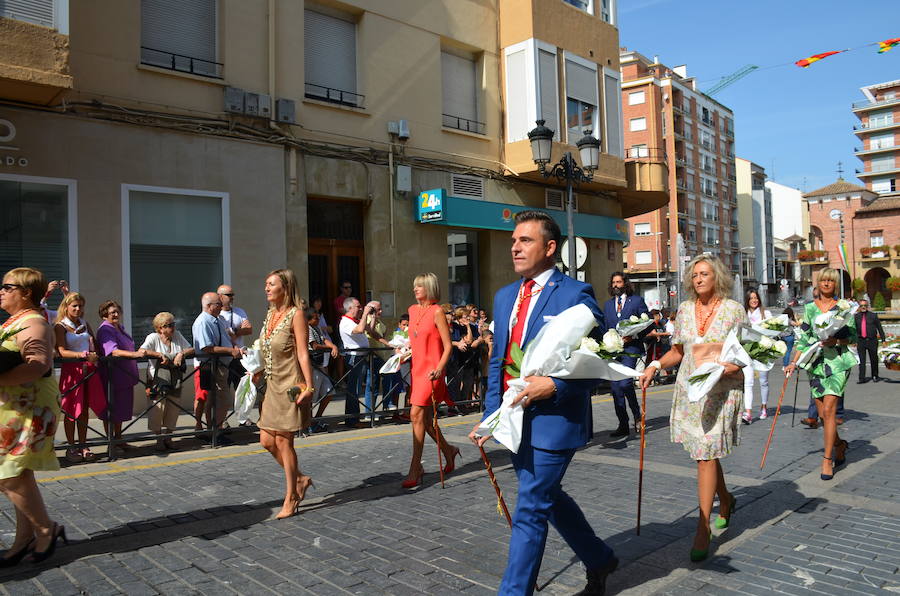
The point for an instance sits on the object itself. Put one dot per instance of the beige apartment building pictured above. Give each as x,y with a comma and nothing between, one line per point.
667,117
151,149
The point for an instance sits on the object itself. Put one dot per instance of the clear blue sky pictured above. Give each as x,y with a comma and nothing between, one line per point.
798,118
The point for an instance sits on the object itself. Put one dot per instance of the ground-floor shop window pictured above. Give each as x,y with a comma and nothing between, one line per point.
34,229
177,248
462,266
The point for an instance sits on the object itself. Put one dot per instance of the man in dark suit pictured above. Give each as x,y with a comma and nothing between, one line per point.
621,306
557,417
868,330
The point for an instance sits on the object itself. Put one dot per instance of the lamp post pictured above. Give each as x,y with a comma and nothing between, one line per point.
566,170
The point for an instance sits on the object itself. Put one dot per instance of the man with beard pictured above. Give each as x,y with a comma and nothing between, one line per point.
621,306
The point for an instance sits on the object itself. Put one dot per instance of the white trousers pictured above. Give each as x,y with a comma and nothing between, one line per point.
749,376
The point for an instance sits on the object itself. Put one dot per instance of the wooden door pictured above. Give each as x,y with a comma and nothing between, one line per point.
331,262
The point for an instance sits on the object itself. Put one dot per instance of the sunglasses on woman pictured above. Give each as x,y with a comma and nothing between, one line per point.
9,287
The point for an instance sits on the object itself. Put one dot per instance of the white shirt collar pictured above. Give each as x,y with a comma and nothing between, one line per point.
542,278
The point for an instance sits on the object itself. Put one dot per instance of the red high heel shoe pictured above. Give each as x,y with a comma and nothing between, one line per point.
415,481
451,462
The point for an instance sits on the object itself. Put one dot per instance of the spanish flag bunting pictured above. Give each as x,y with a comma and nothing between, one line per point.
815,58
887,44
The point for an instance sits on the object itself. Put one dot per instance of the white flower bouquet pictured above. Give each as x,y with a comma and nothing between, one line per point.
245,394
400,339
773,326
761,348
559,350
400,343
708,374
826,325
633,325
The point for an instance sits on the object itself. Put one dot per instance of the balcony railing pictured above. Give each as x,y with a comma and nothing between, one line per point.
465,124
871,126
860,150
336,96
181,63
874,104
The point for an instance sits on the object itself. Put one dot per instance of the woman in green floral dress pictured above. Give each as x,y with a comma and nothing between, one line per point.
829,373
709,428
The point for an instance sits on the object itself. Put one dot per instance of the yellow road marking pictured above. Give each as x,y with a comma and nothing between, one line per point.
119,469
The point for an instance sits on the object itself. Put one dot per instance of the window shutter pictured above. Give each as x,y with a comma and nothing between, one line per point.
516,86
612,93
33,11
467,187
329,53
188,29
459,86
581,83
549,110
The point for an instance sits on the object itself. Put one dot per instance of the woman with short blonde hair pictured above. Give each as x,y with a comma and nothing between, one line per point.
709,428
429,283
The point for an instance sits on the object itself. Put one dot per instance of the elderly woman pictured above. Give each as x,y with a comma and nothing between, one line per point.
167,346
122,372
708,428
79,382
828,375
29,413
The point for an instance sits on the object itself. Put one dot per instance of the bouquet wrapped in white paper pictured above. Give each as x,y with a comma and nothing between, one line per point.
561,349
762,349
773,326
399,340
708,374
633,325
245,394
826,325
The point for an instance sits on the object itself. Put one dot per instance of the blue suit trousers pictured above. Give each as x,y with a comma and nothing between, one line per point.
624,390
542,500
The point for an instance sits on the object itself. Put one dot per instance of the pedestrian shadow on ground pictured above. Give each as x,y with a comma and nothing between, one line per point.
604,439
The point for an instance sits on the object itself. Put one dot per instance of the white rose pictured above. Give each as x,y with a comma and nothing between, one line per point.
781,347
255,345
766,342
589,343
633,319
644,317
612,341
843,304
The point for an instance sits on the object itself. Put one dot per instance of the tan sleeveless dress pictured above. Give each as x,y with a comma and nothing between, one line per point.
278,411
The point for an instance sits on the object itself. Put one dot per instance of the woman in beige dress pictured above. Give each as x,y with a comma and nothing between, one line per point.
287,401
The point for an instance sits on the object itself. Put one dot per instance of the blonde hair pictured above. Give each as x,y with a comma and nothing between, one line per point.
428,282
31,280
162,318
66,301
723,282
828,273
460,312
289,283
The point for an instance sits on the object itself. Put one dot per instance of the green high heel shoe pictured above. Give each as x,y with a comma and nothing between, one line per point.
722,522
698,555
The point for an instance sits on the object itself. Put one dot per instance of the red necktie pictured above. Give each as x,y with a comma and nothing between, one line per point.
864,334
521,316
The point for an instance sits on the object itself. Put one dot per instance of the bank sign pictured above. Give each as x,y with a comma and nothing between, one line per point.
431,205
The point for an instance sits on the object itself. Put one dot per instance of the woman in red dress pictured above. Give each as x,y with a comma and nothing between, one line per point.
429,340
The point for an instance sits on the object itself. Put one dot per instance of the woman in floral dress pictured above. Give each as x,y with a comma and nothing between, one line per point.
829,373
709,428
29,414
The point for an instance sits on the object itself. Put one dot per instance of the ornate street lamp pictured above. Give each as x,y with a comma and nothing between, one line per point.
566,170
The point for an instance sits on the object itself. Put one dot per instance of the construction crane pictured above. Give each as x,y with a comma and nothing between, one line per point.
732,78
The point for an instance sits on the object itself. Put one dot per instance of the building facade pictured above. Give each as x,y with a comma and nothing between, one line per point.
879,134
667,117
755,230
208,142
790,234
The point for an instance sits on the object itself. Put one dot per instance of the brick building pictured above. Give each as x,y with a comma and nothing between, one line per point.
879,134
666,116
871,226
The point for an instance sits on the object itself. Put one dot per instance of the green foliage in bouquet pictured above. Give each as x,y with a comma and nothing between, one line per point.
515,354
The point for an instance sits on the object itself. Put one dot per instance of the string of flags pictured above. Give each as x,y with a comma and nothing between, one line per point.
883,46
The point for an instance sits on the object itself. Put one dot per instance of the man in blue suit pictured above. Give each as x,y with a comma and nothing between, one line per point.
623,305
557,412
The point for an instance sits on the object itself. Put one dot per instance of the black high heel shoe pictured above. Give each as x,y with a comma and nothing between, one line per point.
15,559
828,476
41,556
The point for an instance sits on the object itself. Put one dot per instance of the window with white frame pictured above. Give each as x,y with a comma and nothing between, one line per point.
637,124
581,97
643,257
329,56
532,89
460,92
883,185
882,164
636,98
638,151
612,112
35,218
642,229
177,248
876,238
182,36
881,141
881,118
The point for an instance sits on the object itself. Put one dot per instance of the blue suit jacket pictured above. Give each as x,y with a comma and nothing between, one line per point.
634,306
564,421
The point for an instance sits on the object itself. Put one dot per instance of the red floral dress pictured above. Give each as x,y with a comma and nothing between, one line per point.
29,415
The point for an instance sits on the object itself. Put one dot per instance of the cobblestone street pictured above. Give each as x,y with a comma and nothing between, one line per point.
201,522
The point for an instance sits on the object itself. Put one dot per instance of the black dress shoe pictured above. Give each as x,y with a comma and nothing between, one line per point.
877,379
619,432
863,380
596,579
